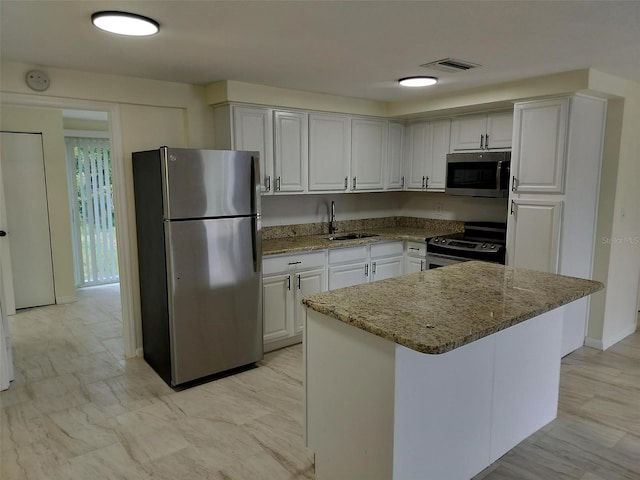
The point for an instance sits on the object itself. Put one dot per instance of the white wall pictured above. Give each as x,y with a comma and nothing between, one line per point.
448,207
290,209
149,114
623,239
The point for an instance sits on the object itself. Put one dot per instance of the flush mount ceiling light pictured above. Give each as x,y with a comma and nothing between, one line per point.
124,23
418,81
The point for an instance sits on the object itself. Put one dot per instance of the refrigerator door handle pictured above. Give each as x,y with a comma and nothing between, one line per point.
256,244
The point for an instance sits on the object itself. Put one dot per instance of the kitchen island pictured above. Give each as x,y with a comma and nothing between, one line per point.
432,375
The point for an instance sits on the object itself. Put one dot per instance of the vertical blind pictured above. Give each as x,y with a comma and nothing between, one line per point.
89,166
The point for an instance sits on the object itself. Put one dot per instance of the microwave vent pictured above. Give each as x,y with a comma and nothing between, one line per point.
451,65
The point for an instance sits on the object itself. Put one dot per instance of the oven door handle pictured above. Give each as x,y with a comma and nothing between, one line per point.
498,174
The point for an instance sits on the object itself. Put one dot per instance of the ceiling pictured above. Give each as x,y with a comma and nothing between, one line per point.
349,48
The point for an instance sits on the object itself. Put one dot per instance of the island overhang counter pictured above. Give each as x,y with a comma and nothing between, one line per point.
432,375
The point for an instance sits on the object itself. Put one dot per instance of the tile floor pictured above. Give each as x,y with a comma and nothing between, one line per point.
78,410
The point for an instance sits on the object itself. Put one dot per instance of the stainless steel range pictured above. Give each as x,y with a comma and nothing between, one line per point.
480,241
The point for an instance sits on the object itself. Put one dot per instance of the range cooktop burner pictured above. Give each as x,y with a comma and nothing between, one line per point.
480,241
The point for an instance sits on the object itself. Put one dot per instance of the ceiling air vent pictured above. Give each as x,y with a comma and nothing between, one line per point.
451,65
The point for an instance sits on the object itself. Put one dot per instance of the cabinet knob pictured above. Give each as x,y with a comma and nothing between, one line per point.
346,182
354,183
267,183
3,233
486,142
514,184
277,184
481,142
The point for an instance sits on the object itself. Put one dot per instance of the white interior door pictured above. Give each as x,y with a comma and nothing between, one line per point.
27,220
6,279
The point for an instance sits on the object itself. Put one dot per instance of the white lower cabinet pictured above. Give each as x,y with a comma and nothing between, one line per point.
356,265
286,280
415,258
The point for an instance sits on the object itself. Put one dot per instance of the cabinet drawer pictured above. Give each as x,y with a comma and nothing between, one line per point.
284,263
348,254
415,249
386,249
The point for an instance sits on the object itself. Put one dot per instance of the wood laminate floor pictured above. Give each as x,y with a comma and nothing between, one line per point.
79,410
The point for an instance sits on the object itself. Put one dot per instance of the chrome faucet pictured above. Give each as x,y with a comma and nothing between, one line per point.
332,223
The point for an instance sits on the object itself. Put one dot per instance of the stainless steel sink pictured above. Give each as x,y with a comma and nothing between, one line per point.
351,236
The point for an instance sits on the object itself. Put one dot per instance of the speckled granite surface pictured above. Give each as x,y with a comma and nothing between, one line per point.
439,310
313,236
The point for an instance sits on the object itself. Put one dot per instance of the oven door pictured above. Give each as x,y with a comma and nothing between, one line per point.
436,261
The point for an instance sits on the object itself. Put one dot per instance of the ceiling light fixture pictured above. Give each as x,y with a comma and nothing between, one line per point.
418,81
124,23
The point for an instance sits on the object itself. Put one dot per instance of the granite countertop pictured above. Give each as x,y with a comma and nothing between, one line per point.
442,309
301,243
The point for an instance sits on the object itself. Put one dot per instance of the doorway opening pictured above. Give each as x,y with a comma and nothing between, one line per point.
90,177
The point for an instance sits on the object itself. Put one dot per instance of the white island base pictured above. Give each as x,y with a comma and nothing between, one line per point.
378,410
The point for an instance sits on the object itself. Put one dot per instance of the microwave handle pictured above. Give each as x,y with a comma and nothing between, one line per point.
498,173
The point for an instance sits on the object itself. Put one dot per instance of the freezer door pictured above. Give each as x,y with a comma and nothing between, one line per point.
209,183
215,295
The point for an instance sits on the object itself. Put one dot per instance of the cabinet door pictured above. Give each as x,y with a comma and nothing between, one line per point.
384,268
329,152
347,275
413,265
307,283
252,132
499,130
368,153
416,164
439,140
394,178
291,151
277,312
533,234
538,159
467,132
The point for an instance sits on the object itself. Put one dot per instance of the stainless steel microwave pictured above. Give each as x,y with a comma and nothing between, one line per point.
478,174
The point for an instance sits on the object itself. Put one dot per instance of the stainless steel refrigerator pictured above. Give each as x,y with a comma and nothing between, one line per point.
199,258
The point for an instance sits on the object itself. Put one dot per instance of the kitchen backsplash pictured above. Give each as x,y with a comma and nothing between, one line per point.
322,228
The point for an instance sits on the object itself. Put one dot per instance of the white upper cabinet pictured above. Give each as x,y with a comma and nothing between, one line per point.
428,147
437,161
252,131
394,179
499,130
368,153
487,131
539,147
416,166
329,152
247,128
291,136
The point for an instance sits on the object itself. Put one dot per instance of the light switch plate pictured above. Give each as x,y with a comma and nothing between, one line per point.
37,80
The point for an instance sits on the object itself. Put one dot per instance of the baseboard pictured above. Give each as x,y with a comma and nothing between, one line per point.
605,343
593,343
139,352
613,339
285,342
69,299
